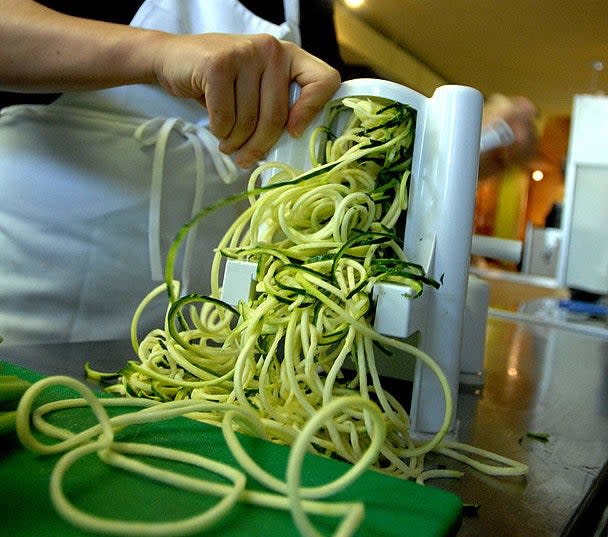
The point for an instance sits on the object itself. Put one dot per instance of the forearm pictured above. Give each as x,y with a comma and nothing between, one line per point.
45,51
242,80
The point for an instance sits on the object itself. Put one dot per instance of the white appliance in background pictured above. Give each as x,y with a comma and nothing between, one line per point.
583,263
541,251
438,233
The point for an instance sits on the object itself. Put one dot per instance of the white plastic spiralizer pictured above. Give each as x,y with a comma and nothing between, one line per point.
438,232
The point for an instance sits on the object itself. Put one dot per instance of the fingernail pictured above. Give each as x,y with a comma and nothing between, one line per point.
225,148
295,131
243,162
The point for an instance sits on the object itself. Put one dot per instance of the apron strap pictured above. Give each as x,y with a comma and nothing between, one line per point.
156,131
292,12
292,16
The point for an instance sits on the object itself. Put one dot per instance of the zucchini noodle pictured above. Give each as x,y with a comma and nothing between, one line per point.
100,439
296,363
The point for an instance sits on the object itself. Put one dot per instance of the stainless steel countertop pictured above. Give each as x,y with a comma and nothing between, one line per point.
535,379
543,380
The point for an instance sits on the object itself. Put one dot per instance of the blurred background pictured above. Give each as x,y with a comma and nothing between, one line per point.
547,51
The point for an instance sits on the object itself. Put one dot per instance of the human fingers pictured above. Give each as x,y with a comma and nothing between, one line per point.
524,107
243,81
218,99
228,61
245,103
202,67
230,84
318,82
273,107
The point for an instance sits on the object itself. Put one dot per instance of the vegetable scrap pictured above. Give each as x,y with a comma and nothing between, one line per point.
11,390
543,437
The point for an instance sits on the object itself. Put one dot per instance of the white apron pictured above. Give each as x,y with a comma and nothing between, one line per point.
94,186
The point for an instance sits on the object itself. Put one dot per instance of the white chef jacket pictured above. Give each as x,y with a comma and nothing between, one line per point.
94,187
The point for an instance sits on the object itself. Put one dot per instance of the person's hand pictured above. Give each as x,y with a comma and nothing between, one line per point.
519,113
243,81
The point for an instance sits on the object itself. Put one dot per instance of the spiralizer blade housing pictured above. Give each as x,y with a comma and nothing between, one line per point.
437,235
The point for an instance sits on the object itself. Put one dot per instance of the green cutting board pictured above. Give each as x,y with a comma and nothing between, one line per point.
393,507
